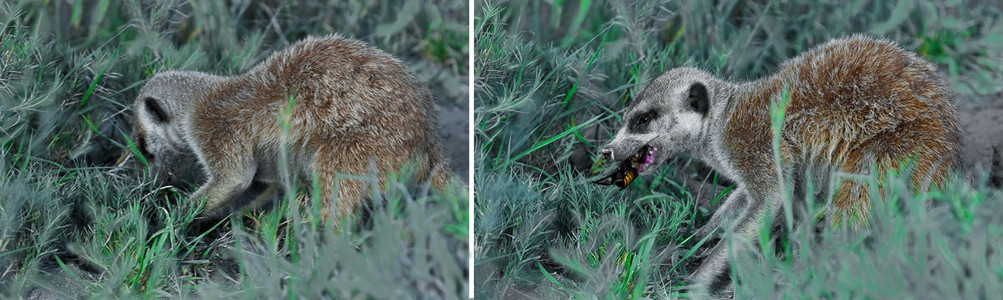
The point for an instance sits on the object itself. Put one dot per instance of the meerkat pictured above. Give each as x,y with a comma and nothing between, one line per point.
855,104
351,109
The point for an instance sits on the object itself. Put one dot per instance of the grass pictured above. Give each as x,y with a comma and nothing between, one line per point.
552,78
75,224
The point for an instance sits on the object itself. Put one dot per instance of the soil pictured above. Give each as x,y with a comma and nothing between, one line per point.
453,131
981,124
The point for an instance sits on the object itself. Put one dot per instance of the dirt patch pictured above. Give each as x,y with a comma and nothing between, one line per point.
981,124
452,127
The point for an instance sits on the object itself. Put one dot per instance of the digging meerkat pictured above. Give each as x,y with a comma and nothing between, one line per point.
855,103
351,105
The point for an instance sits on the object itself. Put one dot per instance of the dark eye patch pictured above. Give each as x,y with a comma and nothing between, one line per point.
640,121
157,112
141,145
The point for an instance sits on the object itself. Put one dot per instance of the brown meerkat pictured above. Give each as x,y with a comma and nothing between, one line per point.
855,104
354,110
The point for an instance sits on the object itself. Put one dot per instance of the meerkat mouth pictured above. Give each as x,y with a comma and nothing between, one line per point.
629,169
647,157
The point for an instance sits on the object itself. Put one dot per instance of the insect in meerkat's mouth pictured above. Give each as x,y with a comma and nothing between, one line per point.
647,157
629,168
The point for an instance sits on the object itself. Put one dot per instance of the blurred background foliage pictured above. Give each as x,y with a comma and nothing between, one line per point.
74,224
553,76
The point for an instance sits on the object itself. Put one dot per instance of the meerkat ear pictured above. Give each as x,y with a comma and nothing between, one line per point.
153,107
698,99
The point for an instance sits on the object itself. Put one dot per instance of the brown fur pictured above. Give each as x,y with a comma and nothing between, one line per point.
853,104
351,103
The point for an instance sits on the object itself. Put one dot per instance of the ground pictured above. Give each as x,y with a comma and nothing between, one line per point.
453,121
982,123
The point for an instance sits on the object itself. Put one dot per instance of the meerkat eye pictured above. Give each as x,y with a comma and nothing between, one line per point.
643,119
158,114
698,100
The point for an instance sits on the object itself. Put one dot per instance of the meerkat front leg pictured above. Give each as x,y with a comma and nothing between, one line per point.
732,207
714,273
228,178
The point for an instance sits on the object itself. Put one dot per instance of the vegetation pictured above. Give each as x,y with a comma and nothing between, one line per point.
552,78
77,223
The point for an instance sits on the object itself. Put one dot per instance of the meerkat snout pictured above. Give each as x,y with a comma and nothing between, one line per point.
342,111
607,154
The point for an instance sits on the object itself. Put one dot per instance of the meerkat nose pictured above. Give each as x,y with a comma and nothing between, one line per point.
607,153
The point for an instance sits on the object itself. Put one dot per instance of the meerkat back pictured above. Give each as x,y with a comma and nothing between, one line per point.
858,103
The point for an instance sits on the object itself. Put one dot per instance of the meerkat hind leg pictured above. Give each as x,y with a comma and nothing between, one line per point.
342,180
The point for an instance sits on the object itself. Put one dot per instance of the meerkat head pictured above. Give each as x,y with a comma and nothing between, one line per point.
669,116
160,113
